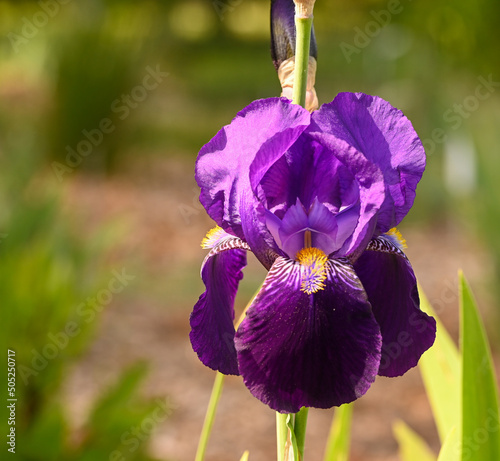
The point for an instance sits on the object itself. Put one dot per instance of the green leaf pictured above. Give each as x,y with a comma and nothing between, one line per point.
339,439
111,404
411,446
480,424
291,450
210,416
440,369
299,428
450,451
281,434
46,434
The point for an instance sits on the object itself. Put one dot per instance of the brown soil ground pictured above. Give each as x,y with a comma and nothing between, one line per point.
164,225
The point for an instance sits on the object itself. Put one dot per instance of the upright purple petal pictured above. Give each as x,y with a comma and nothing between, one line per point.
390,283
385,137
317,350
328,229
331,230
369,181
254,222
291,231
212,330
308,171
257,136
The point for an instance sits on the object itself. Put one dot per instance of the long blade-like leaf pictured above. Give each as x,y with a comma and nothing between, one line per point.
440,369
411,446
339,439
480,423
450,451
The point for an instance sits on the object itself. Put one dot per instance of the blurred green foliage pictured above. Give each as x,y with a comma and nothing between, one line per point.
62,78
48,271
63,66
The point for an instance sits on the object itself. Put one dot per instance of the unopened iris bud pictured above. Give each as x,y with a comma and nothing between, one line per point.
283,32
283,41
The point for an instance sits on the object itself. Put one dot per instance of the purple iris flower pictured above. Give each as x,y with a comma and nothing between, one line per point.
316,198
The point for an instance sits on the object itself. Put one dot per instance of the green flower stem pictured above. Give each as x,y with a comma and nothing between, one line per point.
300,430
303,27
210,416
281,434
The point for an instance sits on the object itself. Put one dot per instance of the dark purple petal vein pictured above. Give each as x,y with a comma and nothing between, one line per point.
316,350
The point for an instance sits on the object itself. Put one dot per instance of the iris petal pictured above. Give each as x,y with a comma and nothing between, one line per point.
385,137
317,350
308,171
212,330
390,283
291,231
254,222
254,140
369,180
328,229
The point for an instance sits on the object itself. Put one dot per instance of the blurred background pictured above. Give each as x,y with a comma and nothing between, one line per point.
104,105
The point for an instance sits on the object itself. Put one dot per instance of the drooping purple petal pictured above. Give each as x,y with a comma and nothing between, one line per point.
212,330
317,350
257,136
385,137
390,283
